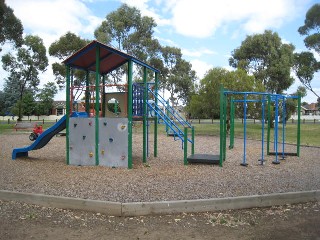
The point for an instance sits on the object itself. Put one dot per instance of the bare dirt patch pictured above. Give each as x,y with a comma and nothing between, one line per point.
23,221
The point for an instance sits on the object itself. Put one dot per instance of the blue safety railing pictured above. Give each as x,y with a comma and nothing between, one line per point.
137,100
172,112
169,116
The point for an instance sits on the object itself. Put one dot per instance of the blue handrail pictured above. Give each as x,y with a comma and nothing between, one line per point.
168,119
173,112
169,123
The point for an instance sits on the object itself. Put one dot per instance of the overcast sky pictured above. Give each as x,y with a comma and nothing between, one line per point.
206,30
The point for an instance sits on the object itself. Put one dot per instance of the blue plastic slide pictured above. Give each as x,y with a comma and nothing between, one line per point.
45,137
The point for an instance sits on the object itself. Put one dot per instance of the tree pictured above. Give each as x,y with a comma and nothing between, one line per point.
24,67
311,28
128,31
2,104
178,77
28,103
208,97
302,91
305,66
11,95
132,33
291,104
11,28
196,107
267,58
67,45
46,98
184,78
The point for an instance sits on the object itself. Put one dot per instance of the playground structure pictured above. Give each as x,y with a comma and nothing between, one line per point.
99,130
276,105
105,137
276,101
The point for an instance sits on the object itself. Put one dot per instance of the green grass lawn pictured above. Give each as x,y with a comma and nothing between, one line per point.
309,131
7,128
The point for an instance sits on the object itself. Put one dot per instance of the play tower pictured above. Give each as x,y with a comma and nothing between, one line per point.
101,131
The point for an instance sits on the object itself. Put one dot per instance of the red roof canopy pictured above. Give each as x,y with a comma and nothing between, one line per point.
110,58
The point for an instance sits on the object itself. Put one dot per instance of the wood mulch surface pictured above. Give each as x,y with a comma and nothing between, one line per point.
162,178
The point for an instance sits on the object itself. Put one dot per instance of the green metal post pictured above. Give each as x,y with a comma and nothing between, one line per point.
68,114
221,158
185,146
155,141
298,127
232,111
87,94
97,104
145,92
103,96
116,107
130,114
225,127
269,124
192,138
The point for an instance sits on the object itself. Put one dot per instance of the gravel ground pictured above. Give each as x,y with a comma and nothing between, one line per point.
162,178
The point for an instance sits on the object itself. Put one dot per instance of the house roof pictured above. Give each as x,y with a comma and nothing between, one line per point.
110,58
311,106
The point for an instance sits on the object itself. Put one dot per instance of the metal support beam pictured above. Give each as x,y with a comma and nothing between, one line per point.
185,146
67,114
103,96
130,114
155,141
97,105
87,93
221,158
145,114
298,127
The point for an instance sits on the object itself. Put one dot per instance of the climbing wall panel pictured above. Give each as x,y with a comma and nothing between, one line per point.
113,142
82,141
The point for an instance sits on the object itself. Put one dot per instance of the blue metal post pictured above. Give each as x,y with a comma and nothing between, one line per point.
167,107
283,124
244,130
262,131
276,161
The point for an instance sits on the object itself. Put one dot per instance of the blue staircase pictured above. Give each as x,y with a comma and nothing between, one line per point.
166,114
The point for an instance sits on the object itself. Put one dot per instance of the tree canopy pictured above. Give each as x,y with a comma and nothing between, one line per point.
67,45
206,103
46,98
311,28
2,104
24,66
11,28
305,65
267,58
177,76
129,31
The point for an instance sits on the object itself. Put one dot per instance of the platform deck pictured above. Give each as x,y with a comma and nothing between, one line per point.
204,158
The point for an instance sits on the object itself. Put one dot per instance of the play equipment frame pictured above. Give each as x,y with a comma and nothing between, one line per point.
100,59
270,98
